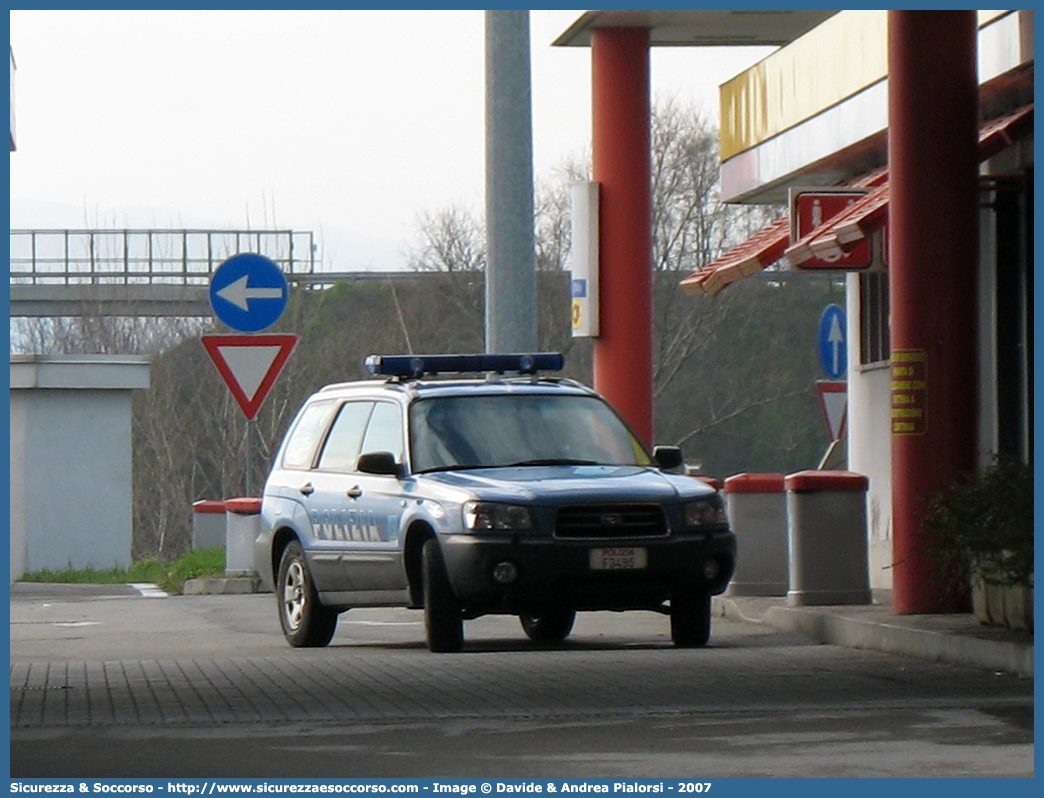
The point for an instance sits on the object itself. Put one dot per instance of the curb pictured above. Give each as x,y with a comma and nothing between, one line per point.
832,627
223,585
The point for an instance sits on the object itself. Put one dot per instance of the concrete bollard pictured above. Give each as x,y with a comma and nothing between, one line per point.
757,510
208,524
242,526
826,524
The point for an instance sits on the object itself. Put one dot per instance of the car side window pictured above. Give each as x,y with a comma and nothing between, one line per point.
308,432
385,431
345,438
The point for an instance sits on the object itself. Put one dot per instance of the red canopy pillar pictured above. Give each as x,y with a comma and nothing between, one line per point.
621,165
933,254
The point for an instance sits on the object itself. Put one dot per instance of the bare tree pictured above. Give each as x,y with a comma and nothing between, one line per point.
452,240
92,332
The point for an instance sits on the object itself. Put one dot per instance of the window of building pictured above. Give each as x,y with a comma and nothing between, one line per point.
1011,200
874,345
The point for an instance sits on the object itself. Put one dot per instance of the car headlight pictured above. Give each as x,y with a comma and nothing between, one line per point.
490,515
705,512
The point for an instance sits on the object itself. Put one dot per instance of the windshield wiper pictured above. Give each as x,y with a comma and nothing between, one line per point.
552,461
547,461
455,467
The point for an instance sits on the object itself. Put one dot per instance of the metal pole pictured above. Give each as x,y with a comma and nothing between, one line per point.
933,252
248,479
511,324
621,166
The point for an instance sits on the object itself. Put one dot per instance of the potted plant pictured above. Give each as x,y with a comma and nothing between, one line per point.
981,530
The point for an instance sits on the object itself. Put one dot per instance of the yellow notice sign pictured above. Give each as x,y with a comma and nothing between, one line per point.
909,391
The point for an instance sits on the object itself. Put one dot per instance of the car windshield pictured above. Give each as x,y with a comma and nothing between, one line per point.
523,429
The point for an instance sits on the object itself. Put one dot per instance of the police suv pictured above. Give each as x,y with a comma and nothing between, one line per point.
509,493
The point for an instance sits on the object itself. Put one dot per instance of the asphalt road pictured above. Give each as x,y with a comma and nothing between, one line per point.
107,683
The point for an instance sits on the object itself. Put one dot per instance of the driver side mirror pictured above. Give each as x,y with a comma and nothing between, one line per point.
668,457
378,463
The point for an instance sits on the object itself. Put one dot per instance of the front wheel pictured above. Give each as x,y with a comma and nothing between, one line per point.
553,626
306,622
691,620
442,619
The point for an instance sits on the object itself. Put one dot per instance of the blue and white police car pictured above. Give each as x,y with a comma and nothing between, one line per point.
506,491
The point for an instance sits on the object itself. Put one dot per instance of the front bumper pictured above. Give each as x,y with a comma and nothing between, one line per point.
558,573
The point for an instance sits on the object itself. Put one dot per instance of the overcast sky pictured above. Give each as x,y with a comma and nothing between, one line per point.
350,124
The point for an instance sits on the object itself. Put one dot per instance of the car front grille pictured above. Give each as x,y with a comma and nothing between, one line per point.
602,521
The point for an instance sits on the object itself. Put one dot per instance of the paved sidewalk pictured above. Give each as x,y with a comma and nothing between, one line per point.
957,638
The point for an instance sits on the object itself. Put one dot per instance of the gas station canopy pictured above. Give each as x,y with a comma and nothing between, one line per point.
699,28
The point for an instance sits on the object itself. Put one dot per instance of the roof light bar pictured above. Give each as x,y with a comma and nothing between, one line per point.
419,365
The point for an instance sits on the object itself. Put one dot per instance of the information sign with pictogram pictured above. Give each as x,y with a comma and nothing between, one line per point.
811,209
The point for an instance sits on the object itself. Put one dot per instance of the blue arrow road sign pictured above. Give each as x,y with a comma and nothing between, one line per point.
248,292
833,342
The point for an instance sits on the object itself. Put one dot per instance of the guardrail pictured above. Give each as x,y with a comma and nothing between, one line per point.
149,257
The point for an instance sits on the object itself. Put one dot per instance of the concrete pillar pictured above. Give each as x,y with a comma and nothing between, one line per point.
621,165
933,225
511,321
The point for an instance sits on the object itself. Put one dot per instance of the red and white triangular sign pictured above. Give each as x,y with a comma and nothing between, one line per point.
833,398
249,364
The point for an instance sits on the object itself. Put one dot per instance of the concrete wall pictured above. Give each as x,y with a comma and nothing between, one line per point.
19,494
870,442
71,467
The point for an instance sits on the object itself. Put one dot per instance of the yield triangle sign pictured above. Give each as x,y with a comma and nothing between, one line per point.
833,398
249,364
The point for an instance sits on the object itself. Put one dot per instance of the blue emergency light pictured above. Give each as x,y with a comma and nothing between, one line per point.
420,365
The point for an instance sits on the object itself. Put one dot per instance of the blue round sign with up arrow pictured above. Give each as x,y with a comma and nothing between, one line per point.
833,342
248,292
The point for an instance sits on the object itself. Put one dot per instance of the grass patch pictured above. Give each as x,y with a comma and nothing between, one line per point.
169,576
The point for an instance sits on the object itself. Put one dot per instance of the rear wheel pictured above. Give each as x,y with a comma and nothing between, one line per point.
306,622
690,620
553,626
442,619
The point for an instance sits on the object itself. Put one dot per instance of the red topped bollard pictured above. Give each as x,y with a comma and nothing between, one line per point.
826,523
208,524
757,509
243,524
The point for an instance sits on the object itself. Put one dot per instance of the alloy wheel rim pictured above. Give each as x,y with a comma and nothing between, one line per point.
294,595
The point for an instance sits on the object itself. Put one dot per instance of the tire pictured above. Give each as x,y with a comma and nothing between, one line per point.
306,622
690,620
443,624
549,627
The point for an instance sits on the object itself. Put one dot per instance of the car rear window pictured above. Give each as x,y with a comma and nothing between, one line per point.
299,451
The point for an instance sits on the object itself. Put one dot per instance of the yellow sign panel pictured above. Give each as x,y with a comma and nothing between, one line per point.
909,391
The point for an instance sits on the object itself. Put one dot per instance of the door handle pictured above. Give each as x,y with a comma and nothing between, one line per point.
354,492
307,489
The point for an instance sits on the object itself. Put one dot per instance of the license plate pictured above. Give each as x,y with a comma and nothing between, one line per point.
624,559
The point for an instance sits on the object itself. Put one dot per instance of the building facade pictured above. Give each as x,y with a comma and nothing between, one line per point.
925,120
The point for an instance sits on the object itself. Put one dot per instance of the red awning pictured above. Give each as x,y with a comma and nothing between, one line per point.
760,251
842,232
998,134
756,253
